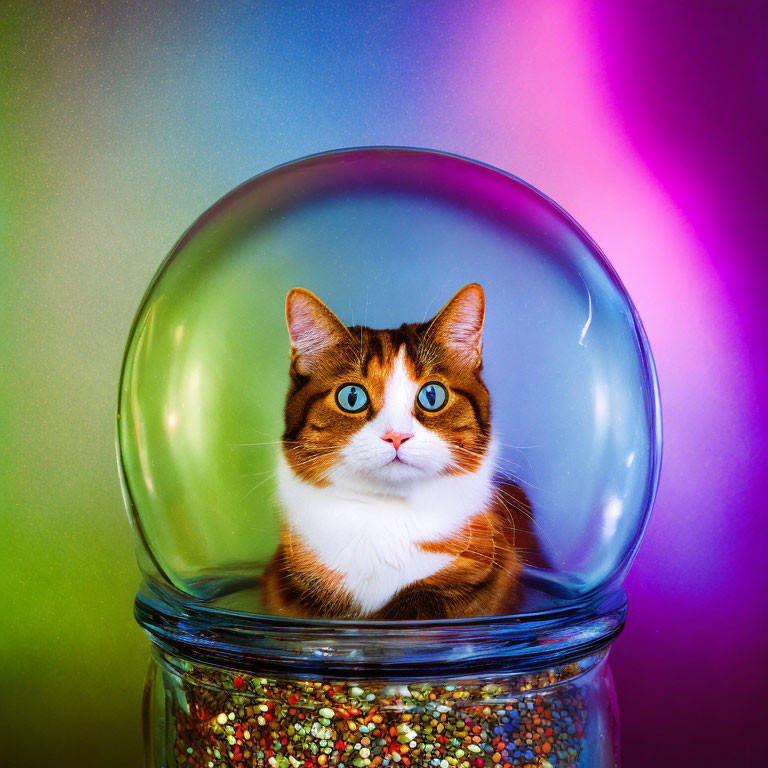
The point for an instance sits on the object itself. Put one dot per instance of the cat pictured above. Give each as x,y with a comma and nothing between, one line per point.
386,479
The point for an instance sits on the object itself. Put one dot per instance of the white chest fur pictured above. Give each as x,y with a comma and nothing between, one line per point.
372,541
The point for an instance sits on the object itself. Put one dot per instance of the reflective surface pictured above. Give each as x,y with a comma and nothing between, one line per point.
344,648
384,236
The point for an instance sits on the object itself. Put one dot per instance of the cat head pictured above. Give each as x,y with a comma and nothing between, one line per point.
385,410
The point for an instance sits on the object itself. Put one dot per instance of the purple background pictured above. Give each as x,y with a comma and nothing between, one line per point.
689,85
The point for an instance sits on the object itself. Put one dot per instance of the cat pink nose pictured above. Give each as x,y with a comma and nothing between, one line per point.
396,438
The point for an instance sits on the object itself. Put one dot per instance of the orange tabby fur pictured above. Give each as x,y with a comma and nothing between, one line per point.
487,552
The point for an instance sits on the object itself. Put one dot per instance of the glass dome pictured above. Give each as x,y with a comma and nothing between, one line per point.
209,414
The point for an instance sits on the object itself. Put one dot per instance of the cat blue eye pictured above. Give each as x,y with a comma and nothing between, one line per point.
352,398
432,396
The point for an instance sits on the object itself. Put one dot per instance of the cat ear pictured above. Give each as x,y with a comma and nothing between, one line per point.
313,329
458,326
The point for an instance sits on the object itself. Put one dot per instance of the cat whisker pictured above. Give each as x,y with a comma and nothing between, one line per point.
253,445
258,474
490,558
520,447
283,442
258,485
481,455
510,469
516,506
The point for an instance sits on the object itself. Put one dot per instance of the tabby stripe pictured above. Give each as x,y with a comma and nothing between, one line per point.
475,407
310,401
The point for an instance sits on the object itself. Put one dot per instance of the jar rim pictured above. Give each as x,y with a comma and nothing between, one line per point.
346,647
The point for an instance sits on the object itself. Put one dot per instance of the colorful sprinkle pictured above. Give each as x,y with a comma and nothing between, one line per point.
239,721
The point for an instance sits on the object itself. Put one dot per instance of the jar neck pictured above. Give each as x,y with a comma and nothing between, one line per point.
183,628
477,689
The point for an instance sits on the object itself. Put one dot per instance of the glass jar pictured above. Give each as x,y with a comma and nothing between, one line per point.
228,689
385,235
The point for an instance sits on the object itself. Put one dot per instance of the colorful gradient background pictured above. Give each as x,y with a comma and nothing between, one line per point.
122,122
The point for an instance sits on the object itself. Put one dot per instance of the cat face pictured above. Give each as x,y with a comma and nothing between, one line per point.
385,410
